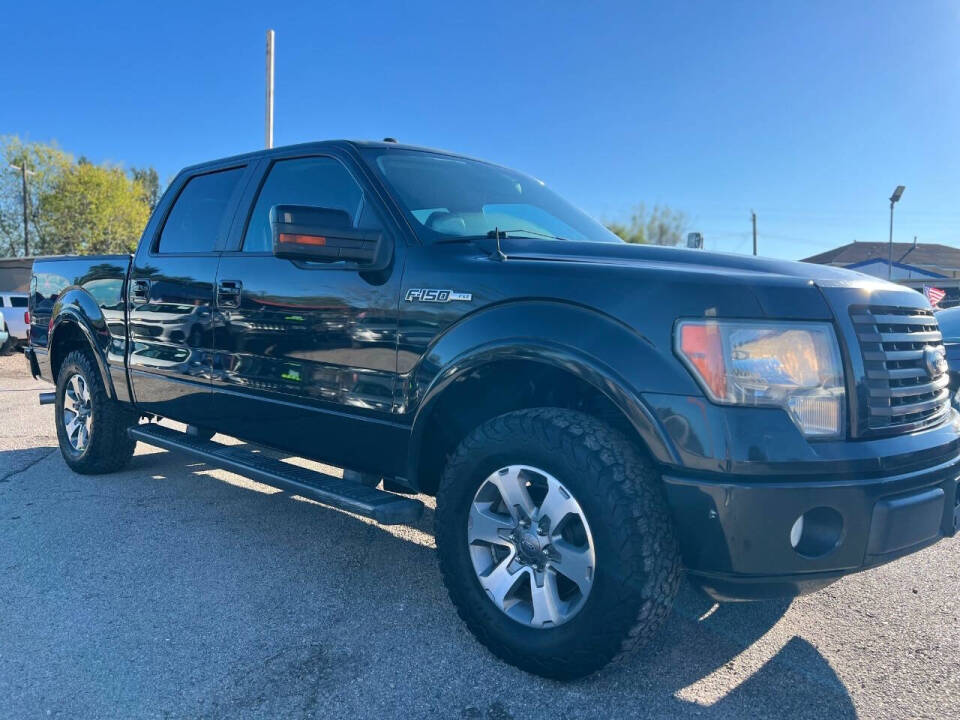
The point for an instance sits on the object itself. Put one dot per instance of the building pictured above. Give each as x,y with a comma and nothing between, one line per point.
15,274
914,264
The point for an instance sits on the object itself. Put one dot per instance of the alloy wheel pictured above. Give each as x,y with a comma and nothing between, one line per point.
531,547
77,412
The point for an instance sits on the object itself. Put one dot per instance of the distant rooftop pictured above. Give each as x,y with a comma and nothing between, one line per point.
926,255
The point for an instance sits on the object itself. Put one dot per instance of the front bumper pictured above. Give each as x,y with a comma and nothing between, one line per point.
735,535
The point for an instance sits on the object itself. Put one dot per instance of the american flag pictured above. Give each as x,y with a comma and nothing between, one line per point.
934,295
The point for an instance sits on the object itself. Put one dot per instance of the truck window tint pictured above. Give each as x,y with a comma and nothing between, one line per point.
18,302
199,215
315,181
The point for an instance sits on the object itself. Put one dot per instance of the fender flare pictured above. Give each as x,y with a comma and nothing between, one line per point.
76,307
549,334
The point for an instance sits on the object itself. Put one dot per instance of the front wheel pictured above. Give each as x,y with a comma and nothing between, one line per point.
555,542
91,427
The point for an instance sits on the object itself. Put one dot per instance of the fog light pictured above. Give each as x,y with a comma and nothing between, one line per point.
816,532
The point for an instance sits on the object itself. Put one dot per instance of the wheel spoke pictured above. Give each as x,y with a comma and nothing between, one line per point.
574,563
82,390
557,504
82,436
500,581
71,426
513,489
488,526
546,600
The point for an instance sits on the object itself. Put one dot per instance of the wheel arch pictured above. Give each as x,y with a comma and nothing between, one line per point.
505,376
78,323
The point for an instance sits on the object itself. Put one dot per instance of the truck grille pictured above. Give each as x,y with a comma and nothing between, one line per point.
904,394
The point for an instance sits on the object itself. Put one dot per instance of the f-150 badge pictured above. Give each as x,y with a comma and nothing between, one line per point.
437,296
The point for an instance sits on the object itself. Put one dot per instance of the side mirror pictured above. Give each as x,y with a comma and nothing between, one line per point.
302,232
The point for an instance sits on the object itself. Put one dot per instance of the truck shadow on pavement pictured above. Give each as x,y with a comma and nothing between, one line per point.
312,612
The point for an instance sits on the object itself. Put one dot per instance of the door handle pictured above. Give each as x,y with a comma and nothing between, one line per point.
229,293
140,291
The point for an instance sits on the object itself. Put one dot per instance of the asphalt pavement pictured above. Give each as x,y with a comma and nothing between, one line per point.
173,590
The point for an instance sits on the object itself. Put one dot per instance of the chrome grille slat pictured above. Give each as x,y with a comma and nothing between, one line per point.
898,373
893,355
898,337
867,319
910,408
934,386
902,395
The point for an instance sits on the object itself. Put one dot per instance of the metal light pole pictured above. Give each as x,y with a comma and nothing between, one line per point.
269,118
893,199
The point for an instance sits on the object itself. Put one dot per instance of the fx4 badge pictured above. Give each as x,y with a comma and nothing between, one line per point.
437,296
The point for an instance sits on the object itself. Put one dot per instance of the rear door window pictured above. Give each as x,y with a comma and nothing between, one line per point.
200,215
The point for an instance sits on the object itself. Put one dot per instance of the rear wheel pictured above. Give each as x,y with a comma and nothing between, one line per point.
555,542
91,427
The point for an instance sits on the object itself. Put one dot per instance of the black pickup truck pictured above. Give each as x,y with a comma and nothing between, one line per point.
592,417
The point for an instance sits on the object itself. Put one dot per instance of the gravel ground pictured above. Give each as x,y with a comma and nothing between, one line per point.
175,590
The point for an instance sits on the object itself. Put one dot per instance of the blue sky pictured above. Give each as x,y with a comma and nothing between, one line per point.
808,112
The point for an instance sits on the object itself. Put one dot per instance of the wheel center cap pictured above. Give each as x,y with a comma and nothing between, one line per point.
529,546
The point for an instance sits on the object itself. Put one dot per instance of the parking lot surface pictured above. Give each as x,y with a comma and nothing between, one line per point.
175,590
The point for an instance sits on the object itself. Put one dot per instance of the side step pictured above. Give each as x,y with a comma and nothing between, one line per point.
384,507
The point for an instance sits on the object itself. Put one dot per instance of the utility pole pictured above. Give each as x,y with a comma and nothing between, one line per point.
269,118
753,217
22,169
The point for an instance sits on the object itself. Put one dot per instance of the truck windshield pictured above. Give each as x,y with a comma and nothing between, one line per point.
449,197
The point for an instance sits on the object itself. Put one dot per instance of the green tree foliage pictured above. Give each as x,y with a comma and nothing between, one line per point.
92,209
75,206
45,163
661,226
150,181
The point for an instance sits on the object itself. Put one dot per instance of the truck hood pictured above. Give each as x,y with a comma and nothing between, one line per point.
683,259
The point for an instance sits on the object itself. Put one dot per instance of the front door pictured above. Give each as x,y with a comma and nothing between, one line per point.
171,299
307,351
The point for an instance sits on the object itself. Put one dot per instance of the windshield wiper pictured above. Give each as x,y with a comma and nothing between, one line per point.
493,234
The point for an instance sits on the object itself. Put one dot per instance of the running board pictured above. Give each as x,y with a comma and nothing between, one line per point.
384,507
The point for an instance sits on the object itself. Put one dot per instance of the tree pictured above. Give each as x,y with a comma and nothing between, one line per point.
44,163
92,209
661,226
150,181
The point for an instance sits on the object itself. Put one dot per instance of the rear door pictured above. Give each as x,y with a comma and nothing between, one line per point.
170,294
306,352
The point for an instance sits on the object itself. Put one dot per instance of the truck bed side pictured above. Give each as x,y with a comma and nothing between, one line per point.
75,300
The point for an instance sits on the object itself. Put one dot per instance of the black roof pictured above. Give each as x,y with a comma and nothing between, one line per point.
932,255
315,145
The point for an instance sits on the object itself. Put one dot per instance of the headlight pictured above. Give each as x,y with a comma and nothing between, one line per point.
792,365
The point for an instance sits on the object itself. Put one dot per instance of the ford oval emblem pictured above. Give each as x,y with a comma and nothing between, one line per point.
935,359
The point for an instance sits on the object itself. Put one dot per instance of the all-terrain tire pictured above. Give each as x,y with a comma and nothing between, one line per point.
637,571
108,448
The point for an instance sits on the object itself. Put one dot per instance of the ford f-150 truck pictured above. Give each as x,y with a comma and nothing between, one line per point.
593,417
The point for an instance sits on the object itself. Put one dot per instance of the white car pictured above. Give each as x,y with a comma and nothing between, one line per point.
13,306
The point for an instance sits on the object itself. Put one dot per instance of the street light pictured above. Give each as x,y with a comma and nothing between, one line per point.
893,198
